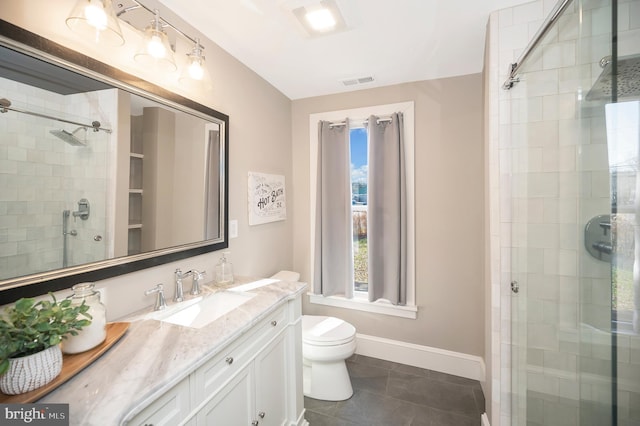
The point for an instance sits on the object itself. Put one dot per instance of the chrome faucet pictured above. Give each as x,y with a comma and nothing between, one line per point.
160,302
178,275
195,286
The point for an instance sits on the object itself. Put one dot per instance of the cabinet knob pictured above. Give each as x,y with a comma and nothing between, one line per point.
261,414
254,423
229,360
274,323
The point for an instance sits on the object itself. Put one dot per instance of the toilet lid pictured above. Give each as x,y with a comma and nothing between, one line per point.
326,331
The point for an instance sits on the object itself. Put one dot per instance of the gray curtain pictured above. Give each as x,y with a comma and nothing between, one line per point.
333,270
387,211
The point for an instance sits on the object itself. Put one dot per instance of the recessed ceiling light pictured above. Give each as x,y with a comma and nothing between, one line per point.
318,17
321,20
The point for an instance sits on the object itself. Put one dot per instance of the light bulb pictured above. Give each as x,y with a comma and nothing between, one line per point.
96,16
321,19
155,47
196,71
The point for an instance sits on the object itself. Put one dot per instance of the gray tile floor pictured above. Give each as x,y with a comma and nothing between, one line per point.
390,394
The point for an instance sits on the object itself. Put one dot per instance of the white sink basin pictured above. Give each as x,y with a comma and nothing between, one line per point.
199,312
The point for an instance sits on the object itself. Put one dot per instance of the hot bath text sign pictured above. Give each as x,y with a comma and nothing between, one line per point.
267,201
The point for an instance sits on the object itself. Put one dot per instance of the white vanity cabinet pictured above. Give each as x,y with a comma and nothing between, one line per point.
167,410
271,382
255,380
256,395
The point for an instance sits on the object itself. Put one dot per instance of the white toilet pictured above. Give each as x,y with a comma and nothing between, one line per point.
326,343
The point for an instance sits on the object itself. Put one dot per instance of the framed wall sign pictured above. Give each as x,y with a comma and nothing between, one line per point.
267,200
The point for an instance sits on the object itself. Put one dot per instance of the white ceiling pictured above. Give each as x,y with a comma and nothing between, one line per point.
393,41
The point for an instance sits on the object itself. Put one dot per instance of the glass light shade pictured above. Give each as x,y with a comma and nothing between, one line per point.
195,75
196,69
96,20
155,50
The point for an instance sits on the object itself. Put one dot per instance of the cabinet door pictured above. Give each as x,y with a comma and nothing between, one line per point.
271,384
232,405
169,409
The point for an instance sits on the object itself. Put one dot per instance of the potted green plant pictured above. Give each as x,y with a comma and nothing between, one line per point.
30,336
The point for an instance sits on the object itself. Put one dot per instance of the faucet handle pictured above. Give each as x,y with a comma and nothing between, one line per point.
160,302
197,276
178,276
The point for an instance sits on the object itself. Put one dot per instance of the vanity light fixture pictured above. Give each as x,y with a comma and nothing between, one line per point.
155,49
96,20
195,74
196,68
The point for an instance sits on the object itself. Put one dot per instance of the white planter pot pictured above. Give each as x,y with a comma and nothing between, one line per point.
31,372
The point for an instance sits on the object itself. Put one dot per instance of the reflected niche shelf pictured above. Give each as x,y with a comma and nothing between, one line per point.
136,157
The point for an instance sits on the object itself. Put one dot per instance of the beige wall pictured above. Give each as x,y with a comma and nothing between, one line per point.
260,130
449,210
269,133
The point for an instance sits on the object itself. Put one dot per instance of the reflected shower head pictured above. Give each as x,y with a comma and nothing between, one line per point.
628,79
71,138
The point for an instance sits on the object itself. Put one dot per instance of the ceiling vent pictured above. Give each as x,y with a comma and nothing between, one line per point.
358,80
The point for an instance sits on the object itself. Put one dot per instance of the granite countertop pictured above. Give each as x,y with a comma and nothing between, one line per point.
154,356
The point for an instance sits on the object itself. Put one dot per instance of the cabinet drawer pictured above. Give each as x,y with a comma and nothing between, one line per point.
213,374
268,328
169,409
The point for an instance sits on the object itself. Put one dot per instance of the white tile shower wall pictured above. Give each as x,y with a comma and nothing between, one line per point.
573,186
510,30
29,171
88,176
37,182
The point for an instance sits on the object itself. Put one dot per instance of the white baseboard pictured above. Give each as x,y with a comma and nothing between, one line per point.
442,360
485,420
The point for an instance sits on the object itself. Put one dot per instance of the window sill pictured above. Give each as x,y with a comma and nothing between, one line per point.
379,307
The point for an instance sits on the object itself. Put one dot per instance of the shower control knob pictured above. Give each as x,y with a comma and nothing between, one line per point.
97,238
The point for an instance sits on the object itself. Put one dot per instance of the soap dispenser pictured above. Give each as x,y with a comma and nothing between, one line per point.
224,270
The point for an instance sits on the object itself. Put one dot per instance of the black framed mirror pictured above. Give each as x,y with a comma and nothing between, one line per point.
146,185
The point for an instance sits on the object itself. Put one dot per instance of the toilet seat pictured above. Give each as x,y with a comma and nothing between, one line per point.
326,331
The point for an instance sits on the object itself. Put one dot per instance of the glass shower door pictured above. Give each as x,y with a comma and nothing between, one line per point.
564,233
622,114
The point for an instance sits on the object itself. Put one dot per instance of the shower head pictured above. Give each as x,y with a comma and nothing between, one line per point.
628,79
71,138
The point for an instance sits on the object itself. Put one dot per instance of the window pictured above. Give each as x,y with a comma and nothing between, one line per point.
359,205
359,174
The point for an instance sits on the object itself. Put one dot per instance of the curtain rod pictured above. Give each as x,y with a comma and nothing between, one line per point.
366,121
5,105
512,79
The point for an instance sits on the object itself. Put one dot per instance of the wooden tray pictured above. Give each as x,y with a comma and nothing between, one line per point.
71,365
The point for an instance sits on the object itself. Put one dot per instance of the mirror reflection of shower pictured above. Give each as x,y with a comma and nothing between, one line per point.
65,234
83,212
70,137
